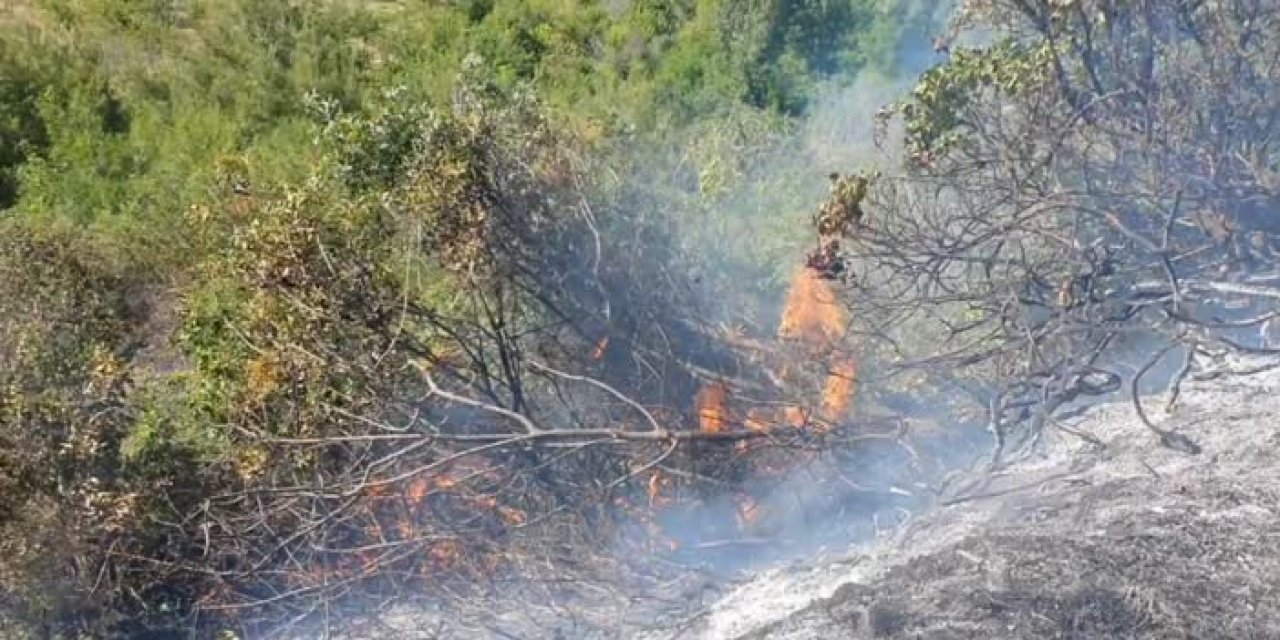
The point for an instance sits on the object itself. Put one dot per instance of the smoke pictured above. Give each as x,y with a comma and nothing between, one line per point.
745,247
722,219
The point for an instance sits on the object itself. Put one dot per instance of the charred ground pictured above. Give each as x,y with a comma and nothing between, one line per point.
1084,542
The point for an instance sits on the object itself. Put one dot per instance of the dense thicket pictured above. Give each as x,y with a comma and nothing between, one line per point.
308,307
305,304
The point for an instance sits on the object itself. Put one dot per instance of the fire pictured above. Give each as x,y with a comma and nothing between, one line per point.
417,490
655,488
712,414
406,529
813,314
795,416
837,395
512,516
396,513
758,420
748,511
444,554
814,318
602,346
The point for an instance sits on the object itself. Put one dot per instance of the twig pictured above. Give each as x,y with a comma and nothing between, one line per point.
653,423
524,421
1167,438
1175,390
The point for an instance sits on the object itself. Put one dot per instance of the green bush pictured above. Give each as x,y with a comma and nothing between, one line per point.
227,223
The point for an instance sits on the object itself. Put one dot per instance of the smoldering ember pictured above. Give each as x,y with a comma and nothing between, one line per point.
649,319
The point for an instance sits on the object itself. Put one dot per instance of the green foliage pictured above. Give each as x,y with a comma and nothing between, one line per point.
125,135
22,132
933,111
148,97
223,223
371,150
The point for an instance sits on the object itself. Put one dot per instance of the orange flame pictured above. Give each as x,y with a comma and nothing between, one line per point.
406,529
748,511
712,415
444,553
795,417
417,490
602,346
758,420
512,516
837,395
813,315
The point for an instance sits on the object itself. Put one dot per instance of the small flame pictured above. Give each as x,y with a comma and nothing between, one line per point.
837,396
512,516
406,530
417,490
712,415
444,554
812,317
602,346
658,481
758,420
748,511
795,416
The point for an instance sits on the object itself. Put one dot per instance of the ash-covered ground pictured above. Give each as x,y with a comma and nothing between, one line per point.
1126,540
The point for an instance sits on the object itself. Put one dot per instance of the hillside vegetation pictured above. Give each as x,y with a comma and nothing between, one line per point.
310,309
245,245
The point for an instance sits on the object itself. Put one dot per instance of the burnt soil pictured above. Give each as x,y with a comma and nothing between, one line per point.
1126,540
